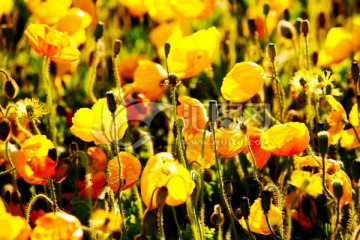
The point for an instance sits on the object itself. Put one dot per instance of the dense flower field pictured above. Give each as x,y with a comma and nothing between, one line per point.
179,119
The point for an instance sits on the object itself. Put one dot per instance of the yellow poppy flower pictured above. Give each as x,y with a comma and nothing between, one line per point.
192,9
48,11
96,124
306,161
32,162
333,171
306,183
2,207
136,8
52,43
194,114
257,220
130,171
6,6
159,10
148,77
162,170
229,141
107,222
356,30
74,23
194,149
243,81
13,227
337,121
191,54
339,44
57,225
286,139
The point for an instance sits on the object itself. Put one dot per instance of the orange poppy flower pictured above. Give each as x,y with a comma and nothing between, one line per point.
32,162
191,54
339,44
57,225
127,67
286,139
162,170
192,9
337,121
257,220
48,11
334,171
96,124
194,149
130,171
13,227
261,156
99,156
194,114
229,141
136,8
243,81
49,42
148,77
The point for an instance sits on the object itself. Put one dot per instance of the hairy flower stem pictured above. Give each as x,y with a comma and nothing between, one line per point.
138,201
337,218
279,90
177,224
273,234
194,224
173,102
117,79
327,192
21,128
32,202
93,75
49,100
53,195
249,230
221,183
161,223
307,52
202,185
279,200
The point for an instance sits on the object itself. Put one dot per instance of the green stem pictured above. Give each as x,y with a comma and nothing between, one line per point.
177,223
181,148
202,187
249,230
337,218
52,192
307,53
49,100
139,203
21,128
118,81
324,179
32,202
223,198
253,160
173,102
161,223
279,90
279,200
34,127
193,223
270,228
219,223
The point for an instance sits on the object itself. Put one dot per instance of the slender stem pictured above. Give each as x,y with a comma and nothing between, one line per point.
279,201
337,218
21,127
32,202
173,102
93,75
139,203
270,228
52,192
253,160
161,223
218,213
177,223
307,53
117,79
223,198
181,148
202,170
193,223
249,230
324,179
279,90
34,127
49,100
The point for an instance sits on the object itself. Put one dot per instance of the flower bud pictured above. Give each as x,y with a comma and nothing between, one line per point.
252,27
265,200
287,15
213,112
338,188
11,88
172,79
271,51
5,130
305,27
315,58
111,101
321,20
217,217
99,30
62,169
298,25
355,71
117,47
245,207
286,29
323,142
52,154
161,196
149,222
266,9
167,49
180,123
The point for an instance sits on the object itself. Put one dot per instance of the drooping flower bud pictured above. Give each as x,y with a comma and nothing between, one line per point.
305,27
161,195
99,30
11,88
355,71
111,102
338,188
117,47
266,9
265,200
286,29
167,49
149,222
62,169
245,207
5,130
321,20
323,142
271,51
217,217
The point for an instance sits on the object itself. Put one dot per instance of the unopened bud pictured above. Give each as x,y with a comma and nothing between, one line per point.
298,25
217,217
271,51
11,88
62,169
180,123
161,196
117,47
265,200
167,49
172,79
99,30
266,9
287,15
314,58
355,71
286,29
323,142
338,188
321,20
149,222
5,130
213,112
252,27
111,102
52,154
245,207
305,27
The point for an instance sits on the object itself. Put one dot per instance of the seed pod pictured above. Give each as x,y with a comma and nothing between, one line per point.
266,9
117,47
286,29
265,200
305,27
271,51
338,188
5,130
355,71
167,49
323,142
99,30
11,89
217,217
245,207
213,112
111,101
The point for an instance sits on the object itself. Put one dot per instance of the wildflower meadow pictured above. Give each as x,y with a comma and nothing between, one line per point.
179,119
